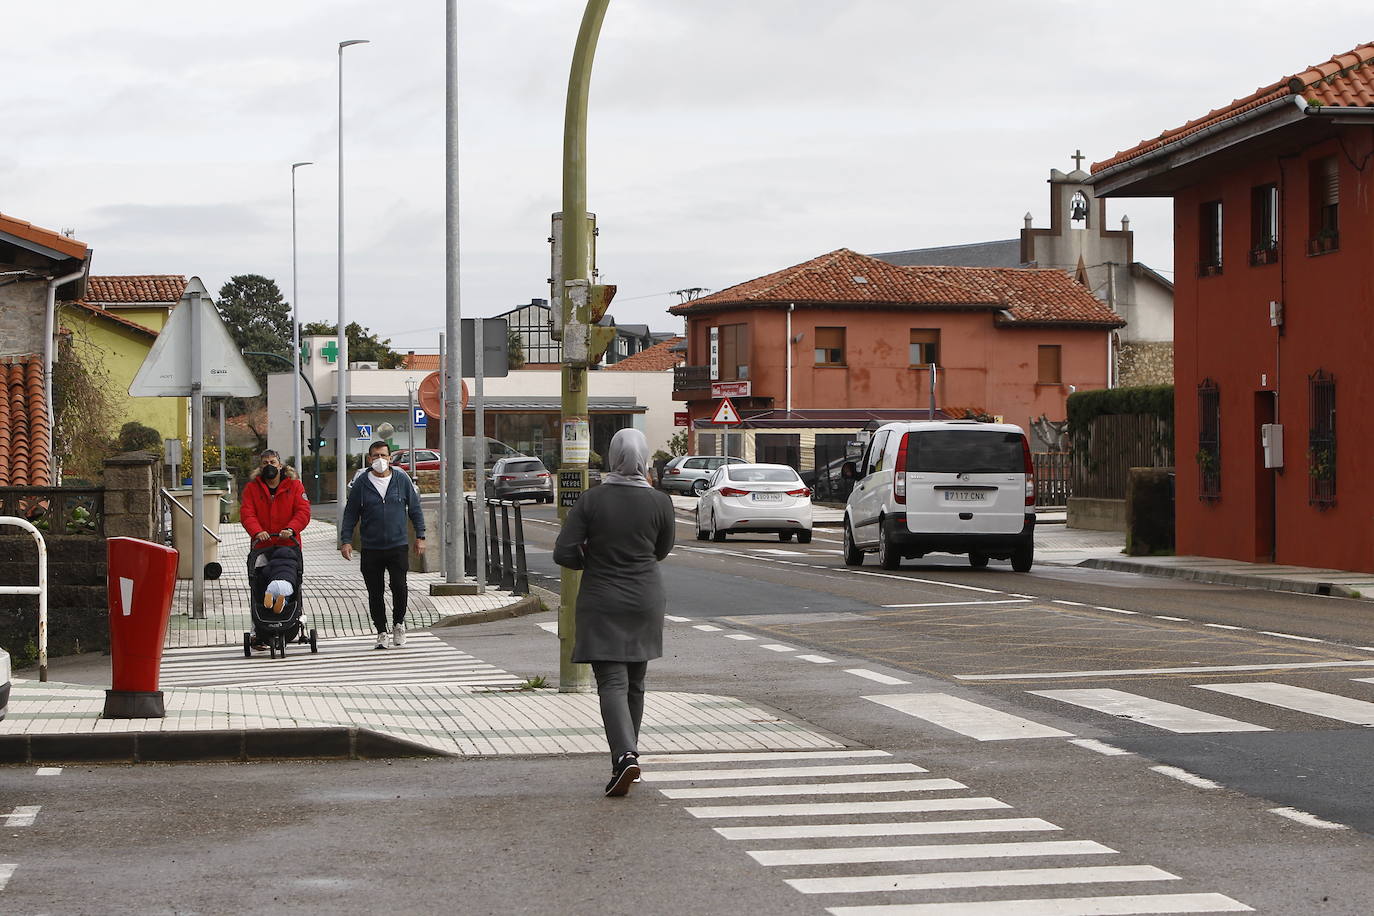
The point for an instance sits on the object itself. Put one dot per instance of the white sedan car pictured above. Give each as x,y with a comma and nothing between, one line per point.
767,498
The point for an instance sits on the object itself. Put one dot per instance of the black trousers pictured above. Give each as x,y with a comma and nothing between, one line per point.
620,687
393,562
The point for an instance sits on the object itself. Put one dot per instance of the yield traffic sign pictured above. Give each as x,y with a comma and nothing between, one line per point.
726,415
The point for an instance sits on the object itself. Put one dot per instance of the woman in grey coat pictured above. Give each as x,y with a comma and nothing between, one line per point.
617,533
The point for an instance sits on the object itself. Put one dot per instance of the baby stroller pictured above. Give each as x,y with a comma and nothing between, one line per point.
272,628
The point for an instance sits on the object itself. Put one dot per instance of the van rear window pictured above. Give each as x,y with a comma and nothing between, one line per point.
965,452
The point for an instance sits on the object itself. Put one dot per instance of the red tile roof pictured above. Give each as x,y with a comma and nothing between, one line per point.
24,432
1346,79
655,359
844,277
159,288
421,361
45,237
111,316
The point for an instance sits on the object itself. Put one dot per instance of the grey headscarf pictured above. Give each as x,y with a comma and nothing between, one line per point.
628,462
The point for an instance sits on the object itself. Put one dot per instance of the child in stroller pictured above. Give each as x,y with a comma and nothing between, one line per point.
274,576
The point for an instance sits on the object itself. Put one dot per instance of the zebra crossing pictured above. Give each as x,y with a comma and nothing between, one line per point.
346,661
985,723
816,842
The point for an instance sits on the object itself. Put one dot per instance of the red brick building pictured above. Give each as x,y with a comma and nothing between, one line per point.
823,347
1274,285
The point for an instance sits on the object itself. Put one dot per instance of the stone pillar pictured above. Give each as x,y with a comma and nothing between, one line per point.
131,496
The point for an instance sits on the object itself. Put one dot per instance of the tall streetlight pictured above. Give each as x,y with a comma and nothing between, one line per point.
341,394
295,336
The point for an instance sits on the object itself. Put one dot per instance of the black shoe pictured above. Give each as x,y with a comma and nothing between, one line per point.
626,772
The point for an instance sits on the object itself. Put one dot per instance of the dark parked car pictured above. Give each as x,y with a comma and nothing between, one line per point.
520,478
689,473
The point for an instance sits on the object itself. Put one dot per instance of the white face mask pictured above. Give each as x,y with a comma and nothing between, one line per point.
379,465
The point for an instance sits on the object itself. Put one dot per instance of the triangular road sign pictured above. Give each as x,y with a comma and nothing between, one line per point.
726,415
166,372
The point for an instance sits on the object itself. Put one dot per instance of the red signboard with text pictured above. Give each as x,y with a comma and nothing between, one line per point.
731,389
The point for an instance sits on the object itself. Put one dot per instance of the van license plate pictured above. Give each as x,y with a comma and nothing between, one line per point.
963,496
767,497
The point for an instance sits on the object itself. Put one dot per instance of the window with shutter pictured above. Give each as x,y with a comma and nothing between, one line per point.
830,346
1264,224
1049,372
1209,239
925,346
1324,191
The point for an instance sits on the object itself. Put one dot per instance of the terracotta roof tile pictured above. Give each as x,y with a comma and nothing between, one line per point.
1346,79
159,288
421,362
844,277
657,358
45,237
24,432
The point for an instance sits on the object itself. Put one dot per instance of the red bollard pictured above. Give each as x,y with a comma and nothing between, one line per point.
141,581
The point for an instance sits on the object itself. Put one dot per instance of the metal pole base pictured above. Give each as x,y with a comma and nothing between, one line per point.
134,704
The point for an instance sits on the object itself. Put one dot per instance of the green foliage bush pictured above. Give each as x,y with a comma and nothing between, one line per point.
1086,406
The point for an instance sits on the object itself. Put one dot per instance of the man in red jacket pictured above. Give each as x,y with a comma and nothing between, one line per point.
274,507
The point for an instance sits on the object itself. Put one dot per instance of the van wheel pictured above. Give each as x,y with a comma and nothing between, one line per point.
977,560
853,556
887,557
1023,556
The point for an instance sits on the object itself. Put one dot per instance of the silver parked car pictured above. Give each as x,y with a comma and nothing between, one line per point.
689,473
520,478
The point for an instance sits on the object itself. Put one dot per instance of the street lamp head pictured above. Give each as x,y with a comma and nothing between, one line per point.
296,165
352,41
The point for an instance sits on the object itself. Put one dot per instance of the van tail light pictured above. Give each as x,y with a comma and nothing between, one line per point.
731,491
899,473
1029,467
804,491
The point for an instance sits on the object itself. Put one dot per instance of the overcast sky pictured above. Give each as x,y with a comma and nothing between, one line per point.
728,138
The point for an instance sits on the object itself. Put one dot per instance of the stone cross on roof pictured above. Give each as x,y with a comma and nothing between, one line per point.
1078,158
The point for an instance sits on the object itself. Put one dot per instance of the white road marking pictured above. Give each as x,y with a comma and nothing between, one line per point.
827,788
1194,669
837,809
1117,610
1185,776
1175,619
1069,603
1064,906
551,627
706,628
750,756
815,659
742,637
677,619
777,647
926,853
1291,636
779,553
6,872
1224,626
21,816
959,603
965,718
875,676
1310,820
887,828
869,769
1014,877
48,771
966,588
1154,713
1301,699
1092,744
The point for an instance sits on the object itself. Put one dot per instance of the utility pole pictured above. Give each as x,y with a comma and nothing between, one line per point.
582,305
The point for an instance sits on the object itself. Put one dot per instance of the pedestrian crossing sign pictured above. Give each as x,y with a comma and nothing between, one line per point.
726,415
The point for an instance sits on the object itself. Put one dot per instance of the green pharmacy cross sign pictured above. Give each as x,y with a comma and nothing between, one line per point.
305,351
330,351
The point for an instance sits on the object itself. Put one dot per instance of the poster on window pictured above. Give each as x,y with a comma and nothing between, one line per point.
577,440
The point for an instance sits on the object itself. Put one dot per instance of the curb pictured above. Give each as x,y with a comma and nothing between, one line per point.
530,604
1213,577
243,744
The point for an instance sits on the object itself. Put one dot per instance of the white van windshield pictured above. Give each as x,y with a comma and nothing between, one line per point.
965,452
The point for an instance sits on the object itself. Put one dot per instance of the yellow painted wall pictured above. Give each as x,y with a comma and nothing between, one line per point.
120,351
153,317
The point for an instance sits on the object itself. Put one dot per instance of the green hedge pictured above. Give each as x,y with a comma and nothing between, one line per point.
1085,406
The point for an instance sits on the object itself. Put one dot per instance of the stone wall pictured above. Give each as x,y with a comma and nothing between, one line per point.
22,307
131,495
1145,363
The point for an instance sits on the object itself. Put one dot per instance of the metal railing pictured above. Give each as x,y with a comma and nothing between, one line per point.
41,589
691,378
505,546
164,519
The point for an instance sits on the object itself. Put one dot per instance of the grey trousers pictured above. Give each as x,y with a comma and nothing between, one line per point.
620,686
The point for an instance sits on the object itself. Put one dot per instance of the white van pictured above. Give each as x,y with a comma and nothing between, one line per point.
954,486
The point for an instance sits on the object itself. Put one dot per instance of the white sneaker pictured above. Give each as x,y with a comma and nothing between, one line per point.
381,641
398,635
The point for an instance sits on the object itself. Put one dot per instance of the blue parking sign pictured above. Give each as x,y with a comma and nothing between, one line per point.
421,418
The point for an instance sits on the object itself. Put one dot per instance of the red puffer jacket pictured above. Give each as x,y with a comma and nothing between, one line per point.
264,510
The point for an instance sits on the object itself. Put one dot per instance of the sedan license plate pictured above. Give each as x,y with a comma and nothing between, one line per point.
963,496
767,497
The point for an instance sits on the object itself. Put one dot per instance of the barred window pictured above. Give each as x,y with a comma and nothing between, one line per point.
1209,440
1321,439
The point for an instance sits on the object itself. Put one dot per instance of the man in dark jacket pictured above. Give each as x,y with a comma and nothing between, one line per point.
380,502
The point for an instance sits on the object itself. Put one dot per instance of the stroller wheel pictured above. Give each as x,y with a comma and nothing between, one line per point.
247,645
314,648
281,644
